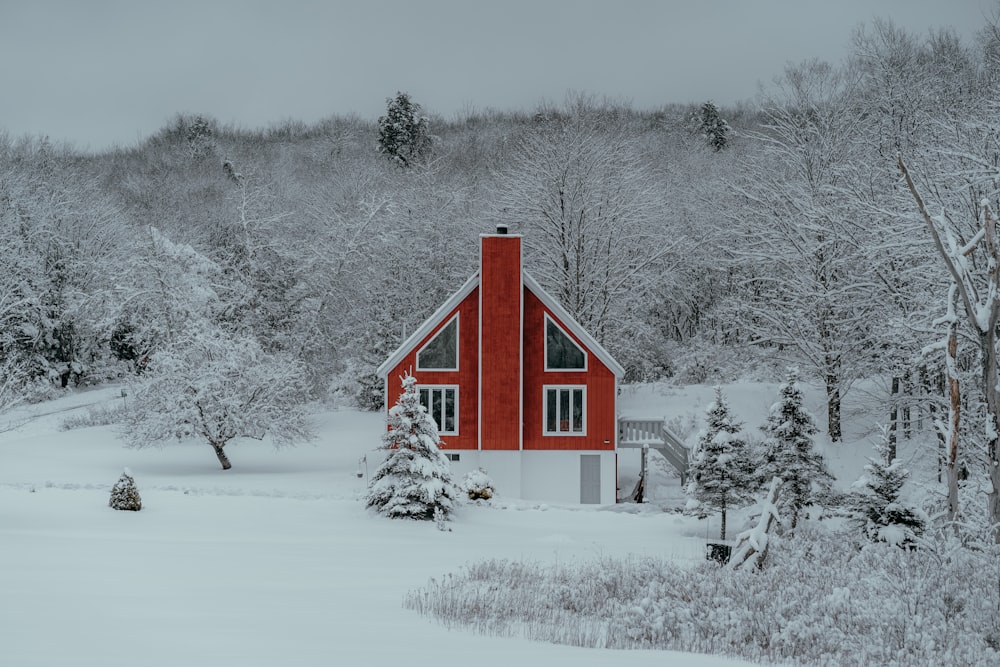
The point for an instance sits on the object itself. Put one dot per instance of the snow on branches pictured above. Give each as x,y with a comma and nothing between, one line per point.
788,451
721,471
218,387
414,481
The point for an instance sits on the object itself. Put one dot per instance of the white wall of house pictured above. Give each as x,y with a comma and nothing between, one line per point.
543,476
504,467
554,476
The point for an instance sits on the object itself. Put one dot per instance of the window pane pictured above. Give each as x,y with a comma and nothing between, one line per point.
563,410
578,410
425,399
449,410
442,350
561,353
437,407
550,411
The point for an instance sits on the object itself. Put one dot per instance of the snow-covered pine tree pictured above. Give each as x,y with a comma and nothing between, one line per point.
414,481
125,494
875,504
788,451
710,124
403,134
721,474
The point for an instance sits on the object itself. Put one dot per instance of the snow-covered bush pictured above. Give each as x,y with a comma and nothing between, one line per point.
478,485
101,415
125,494
356,384
819,601
414,481
877,509
683,426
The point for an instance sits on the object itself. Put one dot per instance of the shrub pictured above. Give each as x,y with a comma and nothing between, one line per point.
820,601
125,494
478,485
101,415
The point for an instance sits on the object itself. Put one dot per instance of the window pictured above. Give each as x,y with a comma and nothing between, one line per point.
441,352
561,352
565,410
442,405
454,457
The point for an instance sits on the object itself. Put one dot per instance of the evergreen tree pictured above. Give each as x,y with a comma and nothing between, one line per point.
788,451
403,134
125,494
875,504
712,127
414,481
721,471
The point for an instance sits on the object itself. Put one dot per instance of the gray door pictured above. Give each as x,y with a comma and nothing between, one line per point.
590,478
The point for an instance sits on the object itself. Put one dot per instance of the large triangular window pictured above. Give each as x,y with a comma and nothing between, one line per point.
561,352
441,352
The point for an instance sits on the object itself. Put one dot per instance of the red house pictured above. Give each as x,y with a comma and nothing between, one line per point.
515,385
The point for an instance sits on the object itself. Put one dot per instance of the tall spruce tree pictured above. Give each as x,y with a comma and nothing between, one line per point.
712,127
403,134
721,471
414,481
788,451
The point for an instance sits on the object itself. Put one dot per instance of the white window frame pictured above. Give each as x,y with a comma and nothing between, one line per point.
545,409
458,347
545,337
430,397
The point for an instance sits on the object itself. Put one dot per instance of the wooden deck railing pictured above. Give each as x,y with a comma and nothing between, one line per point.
633,433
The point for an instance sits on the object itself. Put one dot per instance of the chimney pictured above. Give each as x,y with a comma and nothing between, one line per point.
500,315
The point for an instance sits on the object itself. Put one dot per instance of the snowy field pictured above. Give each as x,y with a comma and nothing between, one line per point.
275,561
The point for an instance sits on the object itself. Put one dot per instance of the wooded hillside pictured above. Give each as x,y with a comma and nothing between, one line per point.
695,242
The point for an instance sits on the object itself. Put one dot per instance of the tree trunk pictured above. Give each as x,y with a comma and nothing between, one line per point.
907,394
722,535
223,459
991,378
833,397
893,420
954,419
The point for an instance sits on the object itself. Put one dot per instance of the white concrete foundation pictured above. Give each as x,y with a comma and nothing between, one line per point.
554,476
543,476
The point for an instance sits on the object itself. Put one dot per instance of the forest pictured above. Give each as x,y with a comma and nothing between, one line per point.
843,221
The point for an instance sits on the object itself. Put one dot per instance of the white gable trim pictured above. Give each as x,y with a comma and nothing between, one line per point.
439,315
556,309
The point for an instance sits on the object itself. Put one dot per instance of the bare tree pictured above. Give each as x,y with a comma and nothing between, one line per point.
976,287
594,226
794,239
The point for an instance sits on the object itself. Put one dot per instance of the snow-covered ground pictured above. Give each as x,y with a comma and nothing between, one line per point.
276,561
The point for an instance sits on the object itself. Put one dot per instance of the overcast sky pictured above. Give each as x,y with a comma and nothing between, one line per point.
104,72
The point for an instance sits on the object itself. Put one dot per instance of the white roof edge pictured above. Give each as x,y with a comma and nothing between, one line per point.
573,325
425,328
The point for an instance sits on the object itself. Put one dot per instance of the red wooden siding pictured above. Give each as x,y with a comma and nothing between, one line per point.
600,382
500,367
465,377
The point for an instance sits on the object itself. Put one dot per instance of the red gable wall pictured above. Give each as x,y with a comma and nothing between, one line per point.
466,377
601,421
512,365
